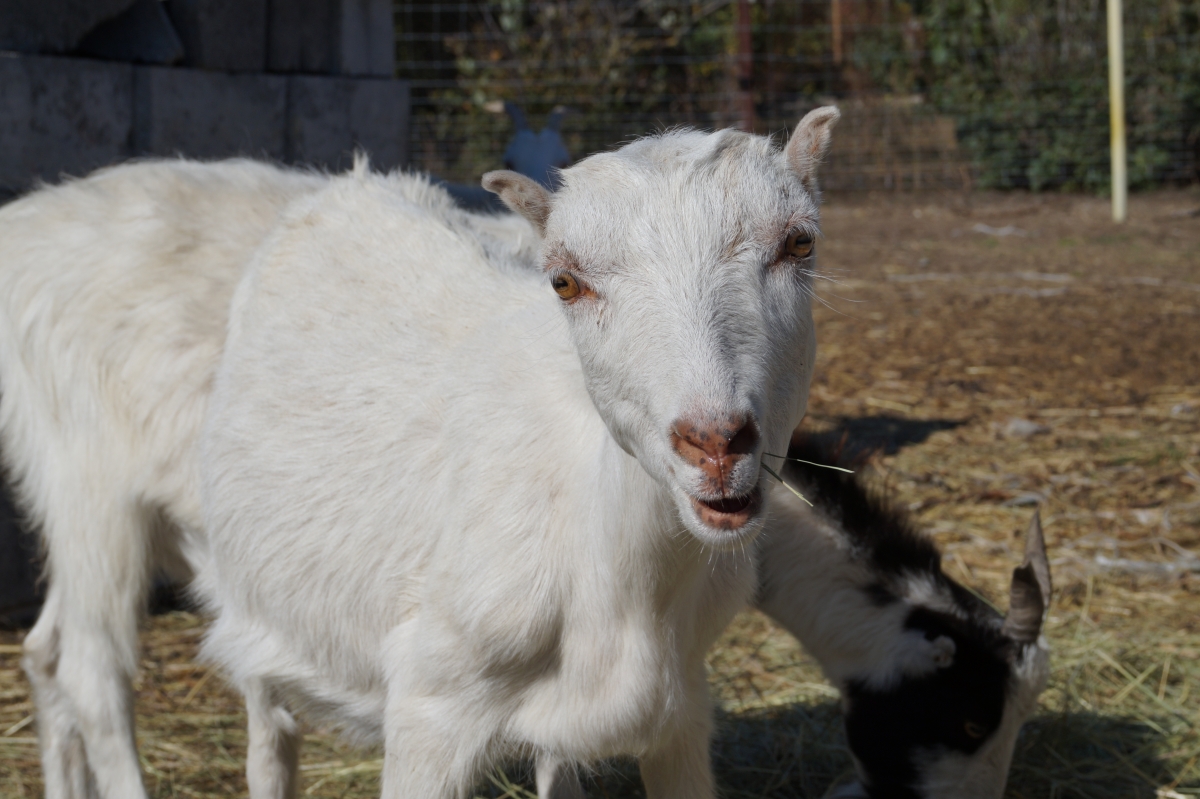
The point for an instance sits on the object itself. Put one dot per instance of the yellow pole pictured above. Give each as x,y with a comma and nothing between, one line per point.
1116,109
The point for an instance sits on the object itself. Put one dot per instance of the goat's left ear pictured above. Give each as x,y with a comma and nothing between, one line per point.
810,142
521,194
1029,596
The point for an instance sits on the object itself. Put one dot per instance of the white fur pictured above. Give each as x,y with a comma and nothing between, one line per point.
442,506
113,299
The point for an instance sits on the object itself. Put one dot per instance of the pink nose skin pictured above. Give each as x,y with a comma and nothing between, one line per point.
716,447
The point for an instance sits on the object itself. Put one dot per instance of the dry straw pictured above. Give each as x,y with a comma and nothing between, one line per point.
1119,719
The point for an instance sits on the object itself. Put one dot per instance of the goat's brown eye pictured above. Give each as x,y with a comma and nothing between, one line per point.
974,730
799,245
565,285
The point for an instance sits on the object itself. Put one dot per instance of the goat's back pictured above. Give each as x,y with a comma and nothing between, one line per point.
114,294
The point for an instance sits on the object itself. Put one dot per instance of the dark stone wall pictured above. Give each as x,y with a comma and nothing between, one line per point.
69,116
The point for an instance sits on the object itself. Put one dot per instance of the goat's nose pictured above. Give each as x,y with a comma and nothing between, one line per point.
715,445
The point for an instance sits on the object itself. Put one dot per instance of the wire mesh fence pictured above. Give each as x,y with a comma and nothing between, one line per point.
935,93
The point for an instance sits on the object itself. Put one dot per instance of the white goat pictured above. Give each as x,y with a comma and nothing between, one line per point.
546,600
110,332
435,518
114,298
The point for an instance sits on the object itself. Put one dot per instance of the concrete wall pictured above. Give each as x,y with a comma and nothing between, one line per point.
60,115
69,116
52,26
326,115
331,37
325,37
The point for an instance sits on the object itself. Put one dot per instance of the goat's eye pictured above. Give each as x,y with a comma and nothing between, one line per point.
799,245
974,730
565,285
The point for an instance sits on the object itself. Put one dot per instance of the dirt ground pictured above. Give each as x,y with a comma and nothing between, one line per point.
998,353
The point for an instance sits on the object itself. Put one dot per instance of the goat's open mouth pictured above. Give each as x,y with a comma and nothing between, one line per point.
728,513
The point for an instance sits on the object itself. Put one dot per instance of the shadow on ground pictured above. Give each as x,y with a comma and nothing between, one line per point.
799,752
856,438
1090,755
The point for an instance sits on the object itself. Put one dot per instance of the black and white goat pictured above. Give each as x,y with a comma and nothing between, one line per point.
935,683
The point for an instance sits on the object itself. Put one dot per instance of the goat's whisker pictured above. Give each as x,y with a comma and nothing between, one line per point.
810,463
772,472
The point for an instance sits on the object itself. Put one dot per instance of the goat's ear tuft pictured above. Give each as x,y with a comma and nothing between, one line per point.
522,194
810,142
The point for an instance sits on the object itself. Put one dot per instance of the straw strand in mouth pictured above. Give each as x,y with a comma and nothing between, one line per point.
810,463
773,473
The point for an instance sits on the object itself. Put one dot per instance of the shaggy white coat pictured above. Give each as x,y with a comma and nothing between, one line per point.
442,507
114,293
114,297
113,303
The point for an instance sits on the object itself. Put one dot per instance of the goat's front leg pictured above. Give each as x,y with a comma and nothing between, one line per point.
679,768
439,725
272,757
433,750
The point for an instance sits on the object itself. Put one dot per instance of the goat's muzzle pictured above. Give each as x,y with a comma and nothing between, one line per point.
729,513
716,447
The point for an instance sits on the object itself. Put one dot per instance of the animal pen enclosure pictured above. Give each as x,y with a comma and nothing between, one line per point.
935,93
997,352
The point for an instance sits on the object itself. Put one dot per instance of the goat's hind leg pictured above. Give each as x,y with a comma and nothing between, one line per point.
272,757
82,654
64,761
557,779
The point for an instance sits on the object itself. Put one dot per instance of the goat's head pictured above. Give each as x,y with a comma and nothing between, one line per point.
944,724
683,264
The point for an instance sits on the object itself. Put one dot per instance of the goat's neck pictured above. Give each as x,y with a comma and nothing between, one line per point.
811,582
645,539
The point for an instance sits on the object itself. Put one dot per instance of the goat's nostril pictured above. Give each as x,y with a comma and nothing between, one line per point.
744,440
718,441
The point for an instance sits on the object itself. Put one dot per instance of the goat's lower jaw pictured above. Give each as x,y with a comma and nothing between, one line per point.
730,513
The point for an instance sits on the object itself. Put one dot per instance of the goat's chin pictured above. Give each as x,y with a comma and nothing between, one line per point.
725,523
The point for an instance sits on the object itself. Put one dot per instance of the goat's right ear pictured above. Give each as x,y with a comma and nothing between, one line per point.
810,142
521,194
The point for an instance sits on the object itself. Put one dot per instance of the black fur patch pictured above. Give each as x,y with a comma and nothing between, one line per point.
955,709
879,531
879,595
881,534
